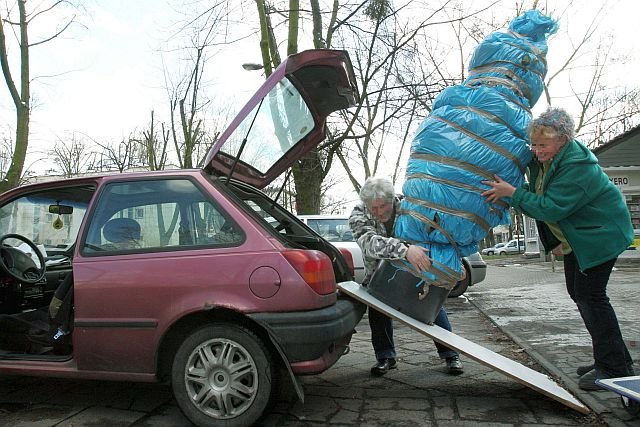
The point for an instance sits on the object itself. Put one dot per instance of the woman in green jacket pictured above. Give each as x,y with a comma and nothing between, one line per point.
581,215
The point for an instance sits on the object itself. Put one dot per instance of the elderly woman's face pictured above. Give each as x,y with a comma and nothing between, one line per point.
545,145
381,209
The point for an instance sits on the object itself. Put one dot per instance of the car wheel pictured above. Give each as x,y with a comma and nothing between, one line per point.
502,253
489,252
461,287
222,375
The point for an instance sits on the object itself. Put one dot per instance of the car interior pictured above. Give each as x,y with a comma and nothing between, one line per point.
30,273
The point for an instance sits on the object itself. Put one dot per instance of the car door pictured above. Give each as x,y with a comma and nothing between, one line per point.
131,285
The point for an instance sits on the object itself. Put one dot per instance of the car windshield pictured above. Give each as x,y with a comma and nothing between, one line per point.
332,229
274,126
50,218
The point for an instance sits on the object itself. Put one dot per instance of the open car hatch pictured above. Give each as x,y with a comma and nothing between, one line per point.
285,118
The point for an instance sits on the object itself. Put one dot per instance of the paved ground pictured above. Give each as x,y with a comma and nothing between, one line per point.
544,321
418,393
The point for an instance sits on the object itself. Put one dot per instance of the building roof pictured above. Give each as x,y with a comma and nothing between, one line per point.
623,150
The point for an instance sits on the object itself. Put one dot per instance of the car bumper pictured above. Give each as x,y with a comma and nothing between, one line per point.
314,340
478,273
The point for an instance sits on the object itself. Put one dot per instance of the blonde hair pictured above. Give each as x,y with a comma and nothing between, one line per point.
553,123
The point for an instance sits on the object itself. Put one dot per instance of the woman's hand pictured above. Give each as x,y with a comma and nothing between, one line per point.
498,190
557,251
417,256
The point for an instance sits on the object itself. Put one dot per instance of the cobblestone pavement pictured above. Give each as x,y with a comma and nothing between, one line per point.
417,393
544,321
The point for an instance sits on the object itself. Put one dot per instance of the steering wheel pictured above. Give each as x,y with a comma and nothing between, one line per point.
19,265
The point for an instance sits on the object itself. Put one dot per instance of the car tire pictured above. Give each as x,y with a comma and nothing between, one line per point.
503,253
489,252
222,375
461,287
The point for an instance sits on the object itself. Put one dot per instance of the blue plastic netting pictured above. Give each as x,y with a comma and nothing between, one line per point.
475,130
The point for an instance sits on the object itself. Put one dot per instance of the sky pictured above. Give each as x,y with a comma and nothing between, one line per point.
108,73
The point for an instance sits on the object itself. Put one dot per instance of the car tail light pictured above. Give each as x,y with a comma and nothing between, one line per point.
349,258
315,268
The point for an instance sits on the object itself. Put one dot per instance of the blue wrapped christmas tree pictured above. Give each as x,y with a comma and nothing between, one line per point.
475,130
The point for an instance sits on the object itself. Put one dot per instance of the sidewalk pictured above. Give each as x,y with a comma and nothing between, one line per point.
559,341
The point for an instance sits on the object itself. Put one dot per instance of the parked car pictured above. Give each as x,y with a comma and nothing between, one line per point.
336,229
493,249
190,276
512,247
476,269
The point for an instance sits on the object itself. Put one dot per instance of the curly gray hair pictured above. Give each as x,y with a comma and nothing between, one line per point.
554,123
377,189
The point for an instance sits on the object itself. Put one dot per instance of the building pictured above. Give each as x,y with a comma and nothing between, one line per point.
620,159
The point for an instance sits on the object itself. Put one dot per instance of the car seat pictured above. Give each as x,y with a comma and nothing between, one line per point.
124,233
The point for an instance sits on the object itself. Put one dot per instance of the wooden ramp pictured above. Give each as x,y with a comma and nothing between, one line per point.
522,374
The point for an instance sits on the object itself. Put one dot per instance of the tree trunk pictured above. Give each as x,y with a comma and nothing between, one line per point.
22,100
308,175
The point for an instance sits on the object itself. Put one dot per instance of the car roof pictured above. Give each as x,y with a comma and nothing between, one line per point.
102,177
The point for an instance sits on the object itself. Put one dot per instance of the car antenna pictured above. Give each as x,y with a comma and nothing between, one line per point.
244,142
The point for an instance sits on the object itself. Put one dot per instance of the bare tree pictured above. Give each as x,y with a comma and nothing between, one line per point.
72,155
121,156
401,68
17,20
153,146
403,59
383,41
604,109
6,153
195,39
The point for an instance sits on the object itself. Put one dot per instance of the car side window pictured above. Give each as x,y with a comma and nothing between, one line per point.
171,214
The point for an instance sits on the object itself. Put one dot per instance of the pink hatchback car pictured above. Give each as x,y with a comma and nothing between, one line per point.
190,276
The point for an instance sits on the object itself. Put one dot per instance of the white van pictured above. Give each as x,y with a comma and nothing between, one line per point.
512,247
335,229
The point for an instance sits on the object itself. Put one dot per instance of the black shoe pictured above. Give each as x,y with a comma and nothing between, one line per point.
454,365
382,367
584,369
588,381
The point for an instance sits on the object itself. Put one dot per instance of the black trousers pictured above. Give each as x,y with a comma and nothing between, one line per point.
62,316
588,289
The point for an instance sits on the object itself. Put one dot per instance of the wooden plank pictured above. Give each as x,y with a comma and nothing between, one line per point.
522,374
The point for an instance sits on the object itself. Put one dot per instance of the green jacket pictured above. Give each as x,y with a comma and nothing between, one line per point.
579,196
